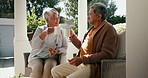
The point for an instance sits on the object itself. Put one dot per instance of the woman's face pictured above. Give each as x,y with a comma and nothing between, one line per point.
53,21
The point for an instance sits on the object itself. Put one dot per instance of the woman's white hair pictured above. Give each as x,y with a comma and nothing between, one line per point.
48,12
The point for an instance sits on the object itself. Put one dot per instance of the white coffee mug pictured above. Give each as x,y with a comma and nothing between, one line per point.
57,30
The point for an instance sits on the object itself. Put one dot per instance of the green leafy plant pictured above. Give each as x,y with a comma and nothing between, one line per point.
18,76
71,9
33,22
39,5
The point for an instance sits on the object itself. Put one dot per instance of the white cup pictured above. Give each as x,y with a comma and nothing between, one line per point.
66,32
57,30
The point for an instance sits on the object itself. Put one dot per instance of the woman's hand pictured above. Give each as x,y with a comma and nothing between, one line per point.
49,30
53,52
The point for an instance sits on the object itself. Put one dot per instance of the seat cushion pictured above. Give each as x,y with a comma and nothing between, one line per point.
121,48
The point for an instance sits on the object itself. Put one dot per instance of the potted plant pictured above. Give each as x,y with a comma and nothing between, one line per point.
32,23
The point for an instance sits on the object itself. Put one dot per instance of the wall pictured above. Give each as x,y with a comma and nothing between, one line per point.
137,39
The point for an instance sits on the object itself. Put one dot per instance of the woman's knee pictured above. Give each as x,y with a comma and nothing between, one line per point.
50,64
37,67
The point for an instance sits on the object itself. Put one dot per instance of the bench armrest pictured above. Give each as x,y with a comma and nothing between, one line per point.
113,68
26,55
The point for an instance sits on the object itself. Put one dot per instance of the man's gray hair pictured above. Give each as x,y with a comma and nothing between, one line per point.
100,8
48,12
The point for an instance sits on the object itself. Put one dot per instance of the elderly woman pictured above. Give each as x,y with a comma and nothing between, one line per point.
45,45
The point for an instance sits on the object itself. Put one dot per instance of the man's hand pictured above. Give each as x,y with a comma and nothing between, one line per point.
76,61
71,34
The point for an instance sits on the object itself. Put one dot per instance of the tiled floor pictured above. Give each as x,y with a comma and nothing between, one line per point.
6,67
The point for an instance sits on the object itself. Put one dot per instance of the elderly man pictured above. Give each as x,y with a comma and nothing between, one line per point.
100,42
45,45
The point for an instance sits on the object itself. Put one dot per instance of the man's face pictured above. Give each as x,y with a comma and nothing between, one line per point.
92,17
54,21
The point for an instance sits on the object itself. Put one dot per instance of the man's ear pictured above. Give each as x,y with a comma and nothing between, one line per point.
99,16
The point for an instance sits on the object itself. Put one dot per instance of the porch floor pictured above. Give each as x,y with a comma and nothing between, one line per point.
6,67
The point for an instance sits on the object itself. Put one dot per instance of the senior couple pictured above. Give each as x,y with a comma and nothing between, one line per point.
100,42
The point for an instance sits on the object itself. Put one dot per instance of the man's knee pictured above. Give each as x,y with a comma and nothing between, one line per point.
54,70
71,76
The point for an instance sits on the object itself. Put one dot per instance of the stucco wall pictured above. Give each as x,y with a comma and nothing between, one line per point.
137,39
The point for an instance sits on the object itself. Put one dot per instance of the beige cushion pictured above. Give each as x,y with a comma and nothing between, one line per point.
121,48
27,71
